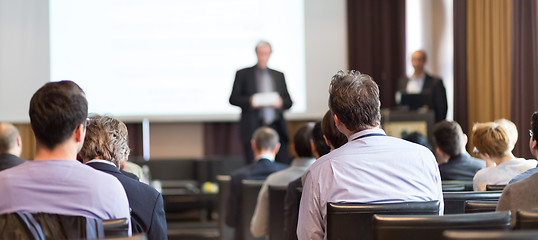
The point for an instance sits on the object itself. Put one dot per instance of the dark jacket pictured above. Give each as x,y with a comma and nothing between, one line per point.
461,167
435,89
8,160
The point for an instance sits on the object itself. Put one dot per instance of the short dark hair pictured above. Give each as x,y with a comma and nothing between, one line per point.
354,98
302,139
418,138
56,110
335,137
265,138
447,136
319,142
534,124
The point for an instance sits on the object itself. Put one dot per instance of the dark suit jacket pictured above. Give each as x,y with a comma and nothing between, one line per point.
461,167
147,210
436,89
258,170
291,209
9,160
244,87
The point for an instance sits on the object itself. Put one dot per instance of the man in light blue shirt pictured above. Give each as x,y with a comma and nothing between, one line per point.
372,167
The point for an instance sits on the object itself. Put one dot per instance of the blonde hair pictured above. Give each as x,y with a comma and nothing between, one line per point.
512,131
491,138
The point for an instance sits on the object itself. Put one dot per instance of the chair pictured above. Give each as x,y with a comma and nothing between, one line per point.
455,201
498,187
526,219
453,187
468,184
490,235
349,220
276,212
474,206
224,191
251,188
418,227
115,228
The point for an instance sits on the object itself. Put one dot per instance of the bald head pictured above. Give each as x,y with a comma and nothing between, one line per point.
9,139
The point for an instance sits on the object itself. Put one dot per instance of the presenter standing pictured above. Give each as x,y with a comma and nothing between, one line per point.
262,95
423,83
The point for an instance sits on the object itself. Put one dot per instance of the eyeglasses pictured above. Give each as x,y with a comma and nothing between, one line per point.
530,133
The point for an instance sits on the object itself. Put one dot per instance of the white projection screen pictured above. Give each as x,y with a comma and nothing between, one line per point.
171,57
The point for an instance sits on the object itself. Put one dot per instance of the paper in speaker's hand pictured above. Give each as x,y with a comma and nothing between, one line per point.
265,99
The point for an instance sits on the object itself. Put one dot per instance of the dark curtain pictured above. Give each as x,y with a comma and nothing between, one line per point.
135,140
376,42
222,139
524,71
460,64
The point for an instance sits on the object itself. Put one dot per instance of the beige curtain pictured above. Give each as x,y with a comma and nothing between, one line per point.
28,140
489,31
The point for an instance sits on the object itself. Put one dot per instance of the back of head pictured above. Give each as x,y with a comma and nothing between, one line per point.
354,98
265,138
56,110
107,139
534,125
335,137
8,137
302,139
512,131
447,136
319,142
491,138
418,138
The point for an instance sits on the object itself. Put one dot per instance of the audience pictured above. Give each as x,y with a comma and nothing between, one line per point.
302,145
371,167
418,138
265,145
492,143
10,146
333,137
522,193
55,182
105,148
450,143
533,148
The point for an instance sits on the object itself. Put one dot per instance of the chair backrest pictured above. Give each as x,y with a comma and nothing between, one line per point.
526,219
276,211
114,228
349,220
468,184
417,227
474,206
453,187
490,235
251,188
455,201
223,181
498,187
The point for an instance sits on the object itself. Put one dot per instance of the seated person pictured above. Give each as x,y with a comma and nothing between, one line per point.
418,138
55,182
265,144
450,143
10,146
105,148
302,146
492,143
522,194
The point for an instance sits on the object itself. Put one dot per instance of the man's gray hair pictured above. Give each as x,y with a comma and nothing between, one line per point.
262,43
265,138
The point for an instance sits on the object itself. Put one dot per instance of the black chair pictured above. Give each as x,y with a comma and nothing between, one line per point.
455,201
453,187
115,228
474,206
526,219
468,184
498,187
418,227
276,212
350,220
223,181
490,235
251,188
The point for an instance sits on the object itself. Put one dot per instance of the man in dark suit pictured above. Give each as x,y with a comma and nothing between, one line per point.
105,147
265,145
262,95
423,83
10,146
454,161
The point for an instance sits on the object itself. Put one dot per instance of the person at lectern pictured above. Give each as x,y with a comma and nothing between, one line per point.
262,95
428,88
